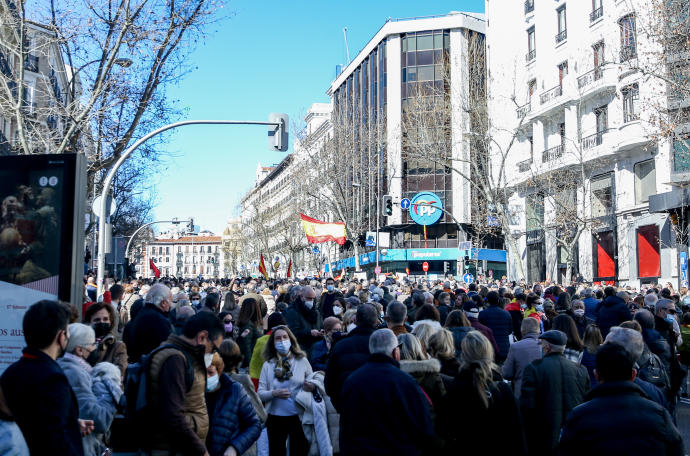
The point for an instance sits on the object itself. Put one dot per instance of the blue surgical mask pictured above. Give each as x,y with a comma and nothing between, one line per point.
212,382
283,347
329,287
669,319
540,307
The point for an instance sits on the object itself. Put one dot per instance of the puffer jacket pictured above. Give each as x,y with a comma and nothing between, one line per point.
78,374
232,419
320,420
612,312
501,323
551,388
428,376
459,333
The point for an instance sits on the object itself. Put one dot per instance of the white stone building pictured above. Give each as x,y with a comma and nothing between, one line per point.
564,75
185,256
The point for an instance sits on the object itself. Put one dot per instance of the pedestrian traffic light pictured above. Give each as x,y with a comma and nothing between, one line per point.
388,205
278,135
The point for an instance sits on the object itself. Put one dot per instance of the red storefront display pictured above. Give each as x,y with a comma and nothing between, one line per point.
648,252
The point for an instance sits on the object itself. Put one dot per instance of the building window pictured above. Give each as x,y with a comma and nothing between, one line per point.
604,255
648,257
534,212
597,10
631,95
645,181
531,87
602,195
529,6
628,37
562,72
531,45
208,249
598,54
562,28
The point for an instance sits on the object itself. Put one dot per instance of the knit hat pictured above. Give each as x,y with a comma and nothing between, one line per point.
471,309
80,335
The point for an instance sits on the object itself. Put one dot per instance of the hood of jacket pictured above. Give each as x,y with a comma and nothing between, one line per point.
427,366
611,301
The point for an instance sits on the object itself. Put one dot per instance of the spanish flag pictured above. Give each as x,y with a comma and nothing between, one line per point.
262,267
340,276
318,231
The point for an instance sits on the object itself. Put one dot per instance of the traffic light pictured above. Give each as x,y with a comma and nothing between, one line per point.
190,226
278,135
466,262
388,205
446,267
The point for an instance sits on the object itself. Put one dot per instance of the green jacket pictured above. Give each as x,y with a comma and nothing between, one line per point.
257,360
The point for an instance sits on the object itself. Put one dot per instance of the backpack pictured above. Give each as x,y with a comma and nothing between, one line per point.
138,410
652,370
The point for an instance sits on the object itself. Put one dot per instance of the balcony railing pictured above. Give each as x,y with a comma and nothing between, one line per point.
630,116
592,141
31,63
628,52
529,6
525,165
596,14
589,77
561,36
551,94
552,153
522,111
531,55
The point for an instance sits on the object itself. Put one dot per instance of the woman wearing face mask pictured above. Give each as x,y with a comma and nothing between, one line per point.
81,354
339,307
282,377
100,317
233,424
250,328
581,321
320,351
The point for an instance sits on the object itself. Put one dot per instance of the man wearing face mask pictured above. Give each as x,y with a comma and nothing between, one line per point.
151,326
327,299
36,388
581,319
304,320
177,387
81,354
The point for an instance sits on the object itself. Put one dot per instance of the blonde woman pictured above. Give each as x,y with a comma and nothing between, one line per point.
283,376
478,391
441,347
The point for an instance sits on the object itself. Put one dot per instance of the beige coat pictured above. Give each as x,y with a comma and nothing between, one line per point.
311,412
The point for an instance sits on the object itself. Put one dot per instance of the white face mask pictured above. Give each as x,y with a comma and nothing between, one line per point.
350,327
212,382
337,310
208,357
579,312
309,304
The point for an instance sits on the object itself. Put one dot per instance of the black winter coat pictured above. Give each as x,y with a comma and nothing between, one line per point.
462,401
43,404
612,312
150,328
551,387
383,411
618,419
459,333
232,419
347,355
501,323
301,321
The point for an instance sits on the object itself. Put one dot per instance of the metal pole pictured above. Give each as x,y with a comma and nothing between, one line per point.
378,217
111,175
129,243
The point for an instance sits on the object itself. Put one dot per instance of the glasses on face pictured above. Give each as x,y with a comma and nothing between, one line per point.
227,321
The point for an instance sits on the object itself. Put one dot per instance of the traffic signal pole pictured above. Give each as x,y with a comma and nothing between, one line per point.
278,142
131,238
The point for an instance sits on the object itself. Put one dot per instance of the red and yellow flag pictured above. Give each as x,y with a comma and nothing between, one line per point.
318,231
340,276
262,267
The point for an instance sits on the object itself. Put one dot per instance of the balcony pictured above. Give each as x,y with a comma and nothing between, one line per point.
31,63
629,116
551,94
590,77
628,52
561,36
522,111
592,141
552,153
524,165
596,14
529,6
531,55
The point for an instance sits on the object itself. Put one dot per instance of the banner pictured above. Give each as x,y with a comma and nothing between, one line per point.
262,267
318,231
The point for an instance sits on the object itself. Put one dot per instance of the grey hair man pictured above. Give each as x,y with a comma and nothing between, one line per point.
396,314
522,353
398,400
151,326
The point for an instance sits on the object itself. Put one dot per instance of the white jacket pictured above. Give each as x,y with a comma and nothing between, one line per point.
320,421
300,370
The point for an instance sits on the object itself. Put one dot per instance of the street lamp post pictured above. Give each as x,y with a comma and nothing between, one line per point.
107,183
131,238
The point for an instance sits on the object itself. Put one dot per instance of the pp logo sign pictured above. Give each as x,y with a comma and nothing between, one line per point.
426,208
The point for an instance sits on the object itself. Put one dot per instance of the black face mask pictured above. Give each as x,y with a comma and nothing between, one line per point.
101,329
94,357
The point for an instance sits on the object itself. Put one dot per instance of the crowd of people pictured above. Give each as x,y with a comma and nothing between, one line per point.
322,367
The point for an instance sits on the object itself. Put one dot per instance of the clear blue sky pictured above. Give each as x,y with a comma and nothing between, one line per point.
270,56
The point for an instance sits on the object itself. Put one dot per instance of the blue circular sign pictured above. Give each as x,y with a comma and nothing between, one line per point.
405,204
426,208
468,278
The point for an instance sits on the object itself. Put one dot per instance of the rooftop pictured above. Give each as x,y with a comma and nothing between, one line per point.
188,240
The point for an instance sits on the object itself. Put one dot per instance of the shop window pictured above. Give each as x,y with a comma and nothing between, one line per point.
604,256
602,195
648,252
645,181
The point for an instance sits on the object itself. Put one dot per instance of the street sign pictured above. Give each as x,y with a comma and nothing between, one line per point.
468,278
426,208
425,267
377,270
464,245
96,205
405,204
